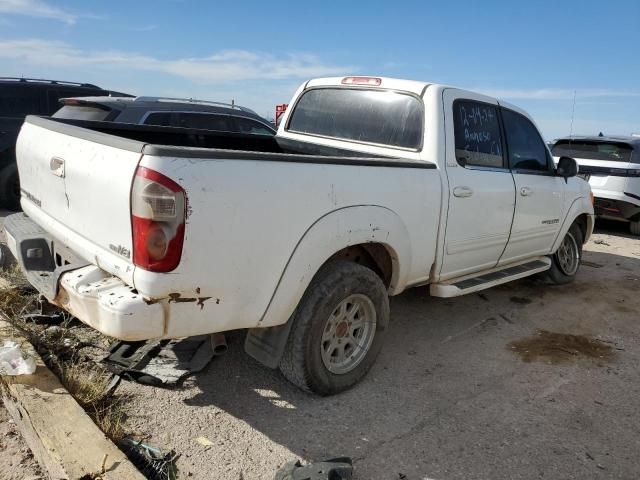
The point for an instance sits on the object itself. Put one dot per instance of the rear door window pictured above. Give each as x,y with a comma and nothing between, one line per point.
593,150
246,125
476,129
162,119
370,116
527,150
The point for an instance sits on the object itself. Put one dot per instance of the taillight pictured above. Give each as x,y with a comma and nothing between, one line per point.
373,81
158,212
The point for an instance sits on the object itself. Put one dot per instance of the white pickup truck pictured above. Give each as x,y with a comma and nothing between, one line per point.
371,186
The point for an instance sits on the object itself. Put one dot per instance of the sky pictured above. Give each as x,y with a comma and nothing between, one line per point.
537,55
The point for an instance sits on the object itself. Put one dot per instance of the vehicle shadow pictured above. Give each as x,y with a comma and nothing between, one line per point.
446,390
611,227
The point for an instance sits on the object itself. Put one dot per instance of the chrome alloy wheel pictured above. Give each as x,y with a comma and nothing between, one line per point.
568,255
348,334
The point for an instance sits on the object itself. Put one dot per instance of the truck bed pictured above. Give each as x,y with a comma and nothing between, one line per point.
194,143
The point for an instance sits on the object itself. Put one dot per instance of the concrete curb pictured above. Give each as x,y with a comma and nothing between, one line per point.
63,438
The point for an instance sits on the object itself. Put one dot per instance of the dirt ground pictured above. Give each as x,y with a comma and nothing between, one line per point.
16,460
464,388
448,397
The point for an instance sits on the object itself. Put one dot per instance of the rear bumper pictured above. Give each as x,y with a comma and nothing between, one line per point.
105,303
616,207
92,295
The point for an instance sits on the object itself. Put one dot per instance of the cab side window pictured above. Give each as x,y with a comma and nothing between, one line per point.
476,130
527,150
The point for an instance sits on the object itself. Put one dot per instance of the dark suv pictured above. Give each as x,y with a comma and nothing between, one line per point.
20,97
167,112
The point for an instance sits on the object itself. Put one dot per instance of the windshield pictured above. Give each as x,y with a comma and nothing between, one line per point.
370,116
615,152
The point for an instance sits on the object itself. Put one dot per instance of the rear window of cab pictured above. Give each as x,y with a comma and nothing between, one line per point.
380,117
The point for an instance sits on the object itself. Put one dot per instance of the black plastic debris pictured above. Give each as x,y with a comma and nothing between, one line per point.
340,468
164,362
150,461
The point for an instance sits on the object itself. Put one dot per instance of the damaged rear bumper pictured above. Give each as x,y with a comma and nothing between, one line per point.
107,304
92,295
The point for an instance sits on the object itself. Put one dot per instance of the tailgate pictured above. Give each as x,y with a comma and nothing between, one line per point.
76,184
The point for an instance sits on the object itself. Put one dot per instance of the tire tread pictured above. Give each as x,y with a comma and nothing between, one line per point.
293,362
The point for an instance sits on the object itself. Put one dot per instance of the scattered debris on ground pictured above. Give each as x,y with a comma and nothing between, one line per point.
334,469
554,348
164,363
152,462
601,242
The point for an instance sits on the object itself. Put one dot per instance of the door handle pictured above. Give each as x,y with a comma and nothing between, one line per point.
56,164
526,191
462,192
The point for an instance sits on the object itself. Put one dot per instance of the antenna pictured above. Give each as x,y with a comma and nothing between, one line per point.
573,111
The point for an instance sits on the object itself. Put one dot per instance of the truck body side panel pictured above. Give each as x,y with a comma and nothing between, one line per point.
247,218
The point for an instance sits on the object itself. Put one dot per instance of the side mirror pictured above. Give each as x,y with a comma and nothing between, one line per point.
567,167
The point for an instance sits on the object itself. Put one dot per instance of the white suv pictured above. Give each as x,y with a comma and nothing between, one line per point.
611,165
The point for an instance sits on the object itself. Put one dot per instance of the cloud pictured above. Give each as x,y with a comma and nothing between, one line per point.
555,93
37,8
220,67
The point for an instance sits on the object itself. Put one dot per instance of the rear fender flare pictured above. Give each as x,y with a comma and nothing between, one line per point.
329,234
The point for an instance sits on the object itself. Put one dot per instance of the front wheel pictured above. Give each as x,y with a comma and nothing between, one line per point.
338,329
566,261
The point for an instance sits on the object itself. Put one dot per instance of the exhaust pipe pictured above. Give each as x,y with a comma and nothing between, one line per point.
218,344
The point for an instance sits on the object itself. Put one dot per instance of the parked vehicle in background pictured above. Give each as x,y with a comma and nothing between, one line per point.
167,112
611,165
371,186
20,97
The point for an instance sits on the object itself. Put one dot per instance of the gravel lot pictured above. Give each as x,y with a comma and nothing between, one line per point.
448,397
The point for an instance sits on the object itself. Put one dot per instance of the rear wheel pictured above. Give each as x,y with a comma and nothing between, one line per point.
566,261
634,226
338,329
10,187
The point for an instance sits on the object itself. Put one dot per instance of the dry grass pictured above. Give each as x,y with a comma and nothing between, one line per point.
88,383
60,348
16,297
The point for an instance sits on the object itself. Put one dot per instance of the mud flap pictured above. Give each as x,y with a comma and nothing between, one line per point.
267,345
